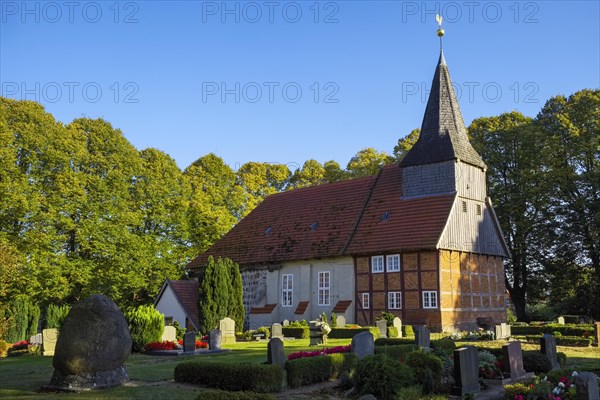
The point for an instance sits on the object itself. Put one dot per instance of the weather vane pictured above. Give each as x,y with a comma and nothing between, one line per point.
440,31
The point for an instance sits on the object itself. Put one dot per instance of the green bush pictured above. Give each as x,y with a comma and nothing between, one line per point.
222,395
146,324
388,317
409,393
24,317
382,376
397,352
348,333
179,331
562,358
511,390
565,330
33,320
3,348
393,341
308,370
534,361
259,378
55,315
497,351
407,330
264,330
333,319
564,340
446,345
427,368
392,332
300,332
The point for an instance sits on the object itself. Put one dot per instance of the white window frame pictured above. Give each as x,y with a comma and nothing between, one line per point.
394,300
388,263
430,299
287,290
379,263
366,301
324,293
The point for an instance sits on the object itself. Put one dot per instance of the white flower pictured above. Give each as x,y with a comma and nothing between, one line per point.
562,385
556,390
545,379
574,373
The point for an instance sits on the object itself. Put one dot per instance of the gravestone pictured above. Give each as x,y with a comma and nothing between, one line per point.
561,320
169,334
422,336
214,339
49,339
275,353
548,347
498,333
513,360
506,331
276,331
597,333
586,386
316,335
382,326
189,342
92,347
36,340
227,327
466,371
341,321
363,344
286,322
398,325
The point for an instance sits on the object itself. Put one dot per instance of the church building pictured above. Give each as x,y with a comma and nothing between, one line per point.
419,240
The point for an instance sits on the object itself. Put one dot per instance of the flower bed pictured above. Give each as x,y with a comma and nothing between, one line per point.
325,351
561,388
170,346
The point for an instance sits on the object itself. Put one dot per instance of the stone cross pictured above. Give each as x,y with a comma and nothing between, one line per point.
382,326
586,386
275,353
513,360
276,331
363,344
398,325
341,321
169,334
466,371
422,336
227,327
214,339
189,342
548,347
49,339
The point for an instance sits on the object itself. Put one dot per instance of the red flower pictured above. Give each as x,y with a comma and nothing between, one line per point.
166,345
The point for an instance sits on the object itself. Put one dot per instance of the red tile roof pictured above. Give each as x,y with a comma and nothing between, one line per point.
348,215
302,306
266,309
342,306
187,294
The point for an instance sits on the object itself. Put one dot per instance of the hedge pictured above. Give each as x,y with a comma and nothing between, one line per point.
496,351
397,352
392,332
296,332
222,395
393,341
565,340
565,330
308,370
534,361
259,378
348,333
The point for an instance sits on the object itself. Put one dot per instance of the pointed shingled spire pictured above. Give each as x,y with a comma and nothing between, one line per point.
443,134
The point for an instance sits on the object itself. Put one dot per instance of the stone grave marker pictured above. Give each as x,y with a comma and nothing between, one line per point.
276,331
561,320
597,333
214,339
513,360
189,341
341,321
398,325
92,347
506,332
49,339
227,326
316,335
363,344
586,386
275,353
286,322
422,336
169,334
498,333
466,371
36,340
548,347
382,326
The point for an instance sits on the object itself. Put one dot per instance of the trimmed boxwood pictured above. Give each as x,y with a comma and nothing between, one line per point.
393,341
564,340
296,332
392,332
348,333
308,370
565,330
407,330
534,361
259,378
222,395
397,352
447,345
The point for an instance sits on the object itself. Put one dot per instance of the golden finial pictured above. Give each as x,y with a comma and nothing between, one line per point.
440,31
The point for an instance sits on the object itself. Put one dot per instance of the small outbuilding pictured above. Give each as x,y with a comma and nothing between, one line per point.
178,301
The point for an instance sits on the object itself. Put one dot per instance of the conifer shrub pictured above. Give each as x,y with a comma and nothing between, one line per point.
382,376
23,318
55,315
33,320
299,332
259,378
146,324
427,368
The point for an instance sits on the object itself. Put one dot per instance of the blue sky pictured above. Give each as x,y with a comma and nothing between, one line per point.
283,82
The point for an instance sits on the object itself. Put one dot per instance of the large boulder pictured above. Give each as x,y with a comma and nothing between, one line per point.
93,344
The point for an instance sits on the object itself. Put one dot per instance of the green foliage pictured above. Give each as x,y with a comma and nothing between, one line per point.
296,332
410,393
309,370
368,162
235,308
397,352
405,144
511,318
392,331
55,315
388,317
213,296
222,395
146,324
407,331
534,361
565,330
562,358
23,317
447,345
427,368
33,320
178,329
348,333
3,348
251,377
333,320
564,340
382,376
264,330
513,389
324,317
393,341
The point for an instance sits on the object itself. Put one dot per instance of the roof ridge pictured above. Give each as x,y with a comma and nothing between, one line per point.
314,187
